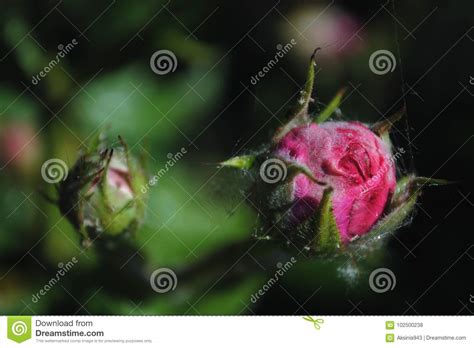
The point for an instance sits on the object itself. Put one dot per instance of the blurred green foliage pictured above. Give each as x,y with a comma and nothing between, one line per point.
198,222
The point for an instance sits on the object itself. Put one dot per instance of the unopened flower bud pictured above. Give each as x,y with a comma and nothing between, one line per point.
101,195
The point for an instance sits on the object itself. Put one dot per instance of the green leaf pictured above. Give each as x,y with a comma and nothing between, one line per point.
331,107
157,106
327,239
29,55
300,116
194,228
240,162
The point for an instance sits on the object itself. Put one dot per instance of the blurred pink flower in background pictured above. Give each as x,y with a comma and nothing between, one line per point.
331,28
20,148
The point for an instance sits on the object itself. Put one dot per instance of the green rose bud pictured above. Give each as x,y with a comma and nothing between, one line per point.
101,195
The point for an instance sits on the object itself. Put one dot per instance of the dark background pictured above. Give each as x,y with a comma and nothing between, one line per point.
220,45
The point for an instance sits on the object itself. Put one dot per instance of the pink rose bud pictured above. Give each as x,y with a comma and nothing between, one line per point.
323,184
349,158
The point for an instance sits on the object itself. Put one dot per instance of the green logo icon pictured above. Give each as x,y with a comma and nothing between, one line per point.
389,325
389,338
19,328
316,322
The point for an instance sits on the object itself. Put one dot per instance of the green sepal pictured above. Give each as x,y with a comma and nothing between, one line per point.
402,191
239,162
295,168
402,203
125,152
409,185
96,142
406,194
421,181
386,124
331,107
327,240
385,137
300,115
107,156
305,97
385,226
